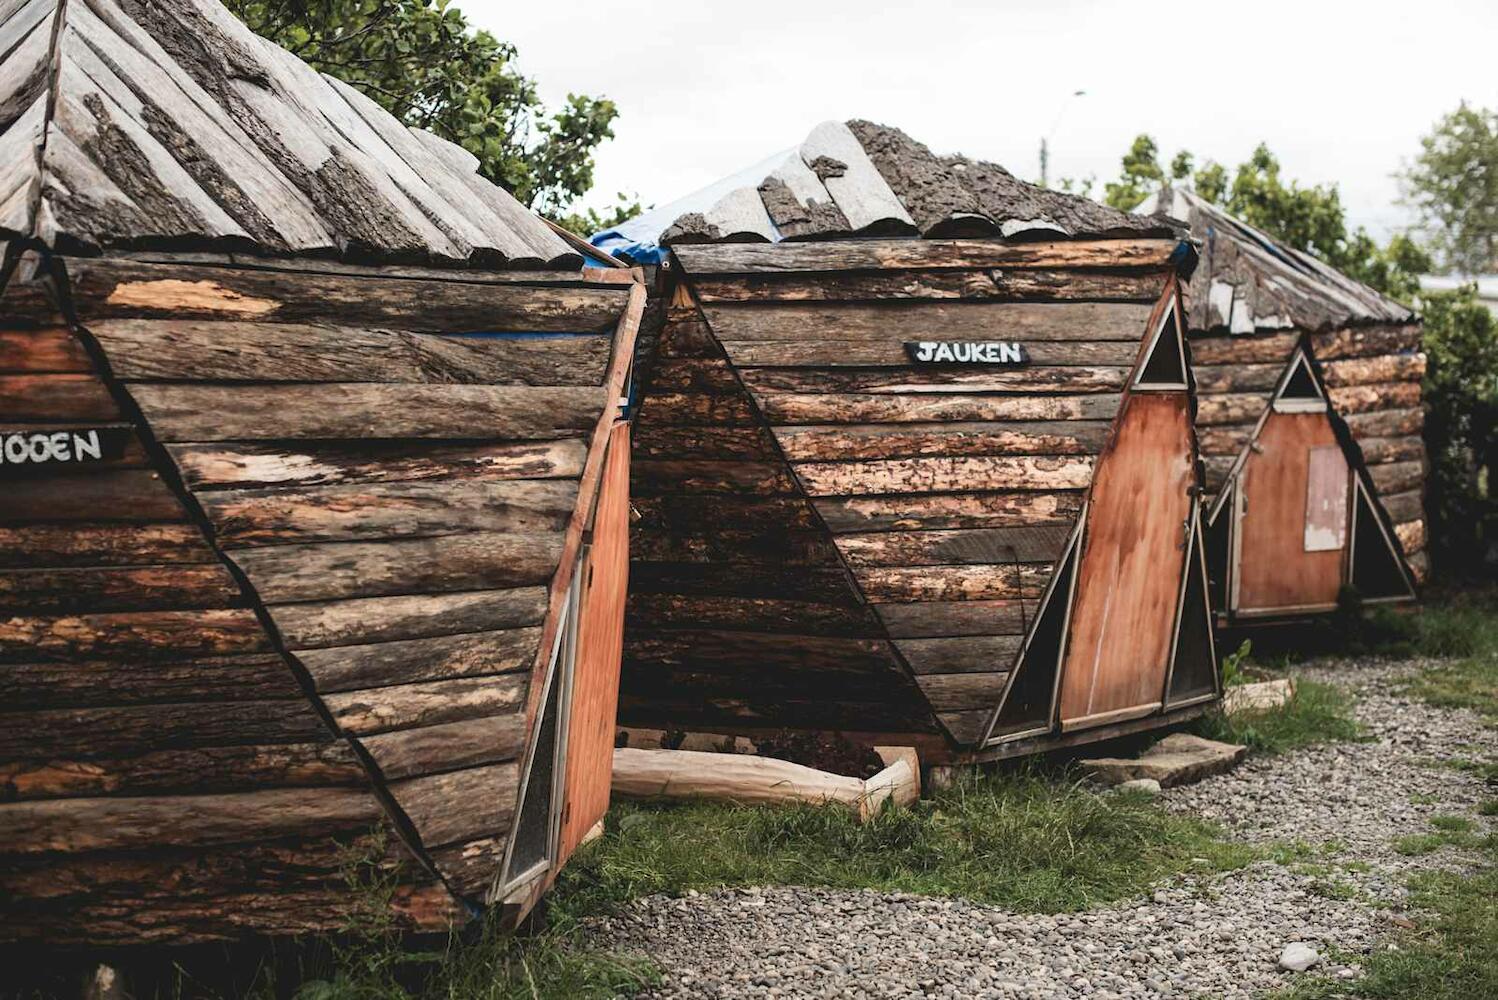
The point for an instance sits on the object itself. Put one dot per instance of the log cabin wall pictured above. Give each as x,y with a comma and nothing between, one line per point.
346,466
1251,301
834,537
395,476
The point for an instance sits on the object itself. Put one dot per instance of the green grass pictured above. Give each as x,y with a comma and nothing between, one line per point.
1317,713
1018,841
1452,954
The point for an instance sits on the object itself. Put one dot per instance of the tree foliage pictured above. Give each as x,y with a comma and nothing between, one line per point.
422,61
1453,185
1461,430
1311,219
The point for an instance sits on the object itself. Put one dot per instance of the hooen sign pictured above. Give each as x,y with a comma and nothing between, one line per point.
54,450
967,352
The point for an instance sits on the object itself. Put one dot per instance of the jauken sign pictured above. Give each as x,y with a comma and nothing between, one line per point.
56,450
966,352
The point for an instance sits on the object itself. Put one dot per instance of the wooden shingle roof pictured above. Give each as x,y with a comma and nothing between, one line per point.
861,179
1247,281
168,124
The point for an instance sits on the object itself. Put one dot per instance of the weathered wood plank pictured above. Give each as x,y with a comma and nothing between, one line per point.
960,654
963,692
898,584
1383,396
740,579
328,570
1234,378
405,706
910,440
657,441
51,349
849,255
460,805
755,614
94,683
711,513
129,588
200,351
388,510
697,409
1026,321
1397,477
1381,423
349,668
113,495
833,352
101,545
936,619
653,477
966,727
382,619
673,654
708,375
1404,507
358,410
1230,408
1366,341
1035,380
955,510
134,634
1038,284
1377,450
447,746
107,289
1224,440
928,406
123,729
64,397
1375,370
1039,543
1240,349
199,770
73,825
938,475
210,466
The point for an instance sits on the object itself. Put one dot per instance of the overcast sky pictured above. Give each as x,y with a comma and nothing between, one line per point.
1342,91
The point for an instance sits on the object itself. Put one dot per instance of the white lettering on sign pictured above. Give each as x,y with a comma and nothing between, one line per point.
50,447
966,352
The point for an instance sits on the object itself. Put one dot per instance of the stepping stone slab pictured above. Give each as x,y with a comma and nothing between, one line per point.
1179,759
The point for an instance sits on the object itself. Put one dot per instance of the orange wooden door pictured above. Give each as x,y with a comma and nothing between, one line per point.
1130,575
1292,535
595,679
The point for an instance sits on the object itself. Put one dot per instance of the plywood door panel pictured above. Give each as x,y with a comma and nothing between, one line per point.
1130,572
1274,569
595,681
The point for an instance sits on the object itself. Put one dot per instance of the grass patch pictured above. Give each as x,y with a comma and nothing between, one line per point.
1316,713
1015,840
1453,831
1451,955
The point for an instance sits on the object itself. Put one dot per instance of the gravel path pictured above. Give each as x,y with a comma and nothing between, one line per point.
1218,937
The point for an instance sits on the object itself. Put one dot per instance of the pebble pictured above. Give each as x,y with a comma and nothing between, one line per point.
1222,936
1298,956
1148,785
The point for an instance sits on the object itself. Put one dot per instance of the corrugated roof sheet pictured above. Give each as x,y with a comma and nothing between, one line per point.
1247,281
862,179
168,124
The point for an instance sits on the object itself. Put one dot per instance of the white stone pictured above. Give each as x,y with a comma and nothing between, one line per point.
1147,785
1298,956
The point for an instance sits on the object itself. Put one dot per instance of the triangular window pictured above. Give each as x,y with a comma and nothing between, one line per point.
1377,571
1028,701
1299,391
1165,365
1193,668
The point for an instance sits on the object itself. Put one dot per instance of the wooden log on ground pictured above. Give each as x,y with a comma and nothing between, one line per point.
750,780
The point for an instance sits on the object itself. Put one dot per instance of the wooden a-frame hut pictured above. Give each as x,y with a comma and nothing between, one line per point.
1309,421
313,498
914,462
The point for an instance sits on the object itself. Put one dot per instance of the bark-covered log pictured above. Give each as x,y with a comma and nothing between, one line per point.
473,561
938,475
655,477
1383,396
114,495
929,405
107,289
1031,381
1024,321
133,634
124,588
406,706
51,349
836,352
960,654
1034,543
758,614
947,618
210,466
949,510
350,668
381,619
964,691
67,397
101,545
909,440
94,683
1038,284
459,805
447,746
848,255
953,583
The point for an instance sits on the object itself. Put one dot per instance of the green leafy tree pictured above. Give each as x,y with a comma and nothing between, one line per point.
1453,185
422,61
